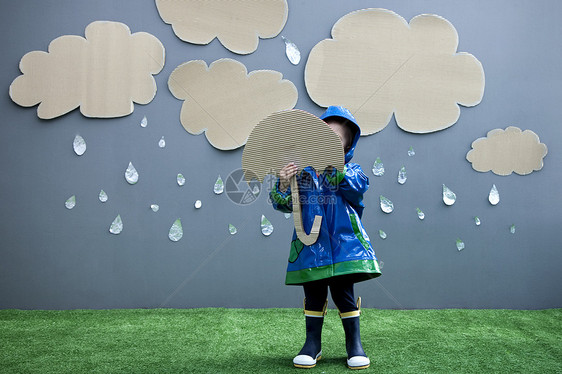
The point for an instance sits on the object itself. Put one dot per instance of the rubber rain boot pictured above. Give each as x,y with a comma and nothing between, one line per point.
311,352
356,357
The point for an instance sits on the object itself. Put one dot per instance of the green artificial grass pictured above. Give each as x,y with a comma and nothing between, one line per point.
265,341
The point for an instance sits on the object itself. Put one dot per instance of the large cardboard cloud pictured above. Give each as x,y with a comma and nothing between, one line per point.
507,151
103,74
238,25
377,64
226,102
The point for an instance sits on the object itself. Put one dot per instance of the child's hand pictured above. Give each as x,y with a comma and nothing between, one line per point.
286,174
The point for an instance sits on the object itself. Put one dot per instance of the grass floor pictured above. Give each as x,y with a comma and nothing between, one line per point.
265,341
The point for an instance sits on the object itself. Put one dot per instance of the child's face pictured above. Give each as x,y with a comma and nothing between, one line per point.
343,131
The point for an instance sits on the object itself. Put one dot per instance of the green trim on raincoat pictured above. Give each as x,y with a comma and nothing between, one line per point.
337,177
281,198
360,269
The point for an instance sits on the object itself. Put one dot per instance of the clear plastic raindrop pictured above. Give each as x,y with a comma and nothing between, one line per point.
176,231
378,168
494,196
219,186
386,205
180,179
256,190
162,142
402,175
460,245
79,145
382,234
381,264
292,52
71,202
266,226
512,229
411,152
198,204
103,196
144,122
287,215
421,214
477,221
131,174
449,196
232,229
116,226
154,207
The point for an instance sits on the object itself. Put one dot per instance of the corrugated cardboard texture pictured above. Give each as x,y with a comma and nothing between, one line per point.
507,151
226,102
376,65
238,25
291,136
103,73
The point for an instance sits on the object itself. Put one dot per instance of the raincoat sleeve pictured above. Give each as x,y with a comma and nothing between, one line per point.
281,201
352,183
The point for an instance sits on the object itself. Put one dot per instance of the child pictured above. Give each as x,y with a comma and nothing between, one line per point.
342,255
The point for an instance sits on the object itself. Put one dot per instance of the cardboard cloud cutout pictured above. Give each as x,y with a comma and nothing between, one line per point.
238,25
103,74
377,64
226,102
507,151
293,136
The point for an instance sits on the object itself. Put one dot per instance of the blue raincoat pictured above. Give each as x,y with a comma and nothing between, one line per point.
343,247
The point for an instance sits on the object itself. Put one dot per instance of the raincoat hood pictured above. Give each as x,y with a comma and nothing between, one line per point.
341,112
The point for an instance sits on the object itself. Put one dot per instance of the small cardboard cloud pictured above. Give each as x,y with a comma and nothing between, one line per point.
226,102
103,74
377,64
238,25
507,151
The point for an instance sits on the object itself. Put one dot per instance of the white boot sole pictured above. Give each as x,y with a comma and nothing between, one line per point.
358,362
306,362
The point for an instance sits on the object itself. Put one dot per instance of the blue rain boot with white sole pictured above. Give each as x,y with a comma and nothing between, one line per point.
311,352
356,357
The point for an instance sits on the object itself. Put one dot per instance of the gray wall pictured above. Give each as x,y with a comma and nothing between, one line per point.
54,258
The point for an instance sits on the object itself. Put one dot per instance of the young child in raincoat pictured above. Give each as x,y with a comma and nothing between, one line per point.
342,255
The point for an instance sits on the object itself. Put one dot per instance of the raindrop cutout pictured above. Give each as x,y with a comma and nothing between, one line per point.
219,186
79,145
266,226
180,179
292,52
176,231
449,196
386,205
103,196
378,168
494,196
402,175
131,174
116,226
71,202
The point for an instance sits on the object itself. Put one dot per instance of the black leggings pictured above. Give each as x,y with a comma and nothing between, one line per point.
316,293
